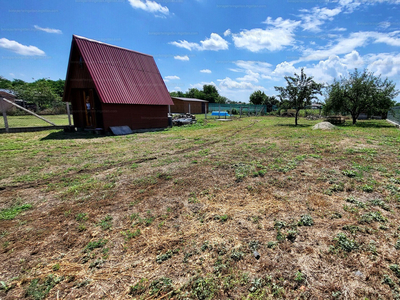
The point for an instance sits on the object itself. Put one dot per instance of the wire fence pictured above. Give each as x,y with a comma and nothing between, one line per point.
394,115
237,109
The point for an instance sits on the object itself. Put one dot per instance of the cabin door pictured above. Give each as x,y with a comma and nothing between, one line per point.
90,110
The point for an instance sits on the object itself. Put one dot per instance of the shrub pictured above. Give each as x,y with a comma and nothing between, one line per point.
344,243
371,217
306,220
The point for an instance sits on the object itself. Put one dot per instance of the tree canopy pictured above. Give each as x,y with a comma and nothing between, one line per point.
299,91
209,93
361,92
258,97
43,92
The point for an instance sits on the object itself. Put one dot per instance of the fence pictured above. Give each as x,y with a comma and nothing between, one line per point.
239,109
394,115
18,116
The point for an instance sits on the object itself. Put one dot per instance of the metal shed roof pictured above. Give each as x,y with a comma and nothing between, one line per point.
190,99
123,76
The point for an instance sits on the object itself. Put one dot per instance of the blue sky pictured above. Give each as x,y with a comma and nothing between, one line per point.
239,46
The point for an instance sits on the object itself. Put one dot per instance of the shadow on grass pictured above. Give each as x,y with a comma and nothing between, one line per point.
62,135
367,124
294,126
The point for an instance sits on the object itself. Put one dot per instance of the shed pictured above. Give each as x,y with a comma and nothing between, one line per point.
112,86
189,105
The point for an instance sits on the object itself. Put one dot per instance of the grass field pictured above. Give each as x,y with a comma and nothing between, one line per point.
32,121
178,214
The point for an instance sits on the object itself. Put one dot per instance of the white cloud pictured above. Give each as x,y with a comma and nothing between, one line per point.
183,58
168,78
339,29
19,48
185,44
250,76
384,64
228,83
48,30
214,43
12,75
149,6
284,69
205,71
384,25
314,18
227,32
277,36
254,66
354,41
200,84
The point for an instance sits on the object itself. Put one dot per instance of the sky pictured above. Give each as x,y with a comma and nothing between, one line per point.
239,46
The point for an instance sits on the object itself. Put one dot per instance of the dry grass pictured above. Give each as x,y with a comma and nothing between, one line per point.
186,208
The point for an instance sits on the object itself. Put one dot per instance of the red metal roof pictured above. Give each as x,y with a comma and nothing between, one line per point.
123,76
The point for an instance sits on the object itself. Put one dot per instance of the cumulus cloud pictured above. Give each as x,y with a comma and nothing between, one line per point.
228,83
276,36
20,49
149,6
168,78
385,64
205,71
183,58
227,32
48,30
214,43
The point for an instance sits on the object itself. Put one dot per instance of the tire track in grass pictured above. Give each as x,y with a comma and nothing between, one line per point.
39,183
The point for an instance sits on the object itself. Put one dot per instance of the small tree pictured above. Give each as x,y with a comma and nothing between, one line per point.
299,91
258,97
361,92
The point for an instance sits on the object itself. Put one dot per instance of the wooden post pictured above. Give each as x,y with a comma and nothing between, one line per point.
219,111
189,108
5,120
69,115
205,111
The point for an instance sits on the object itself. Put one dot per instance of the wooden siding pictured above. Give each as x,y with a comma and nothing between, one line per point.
135,116
181,106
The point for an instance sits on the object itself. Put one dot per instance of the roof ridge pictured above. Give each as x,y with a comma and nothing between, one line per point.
109,45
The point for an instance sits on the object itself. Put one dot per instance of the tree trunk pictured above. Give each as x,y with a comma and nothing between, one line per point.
297,113
354,119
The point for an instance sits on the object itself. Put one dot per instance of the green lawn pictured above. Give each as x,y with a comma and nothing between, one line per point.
32,121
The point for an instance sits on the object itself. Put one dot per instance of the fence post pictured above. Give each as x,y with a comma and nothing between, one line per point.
5,120
69,114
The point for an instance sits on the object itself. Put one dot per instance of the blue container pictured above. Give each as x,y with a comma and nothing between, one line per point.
220,113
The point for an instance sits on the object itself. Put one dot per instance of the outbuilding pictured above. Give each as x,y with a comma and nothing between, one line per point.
112,86
189,105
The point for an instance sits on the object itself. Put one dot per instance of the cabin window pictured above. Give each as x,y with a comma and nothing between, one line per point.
81,62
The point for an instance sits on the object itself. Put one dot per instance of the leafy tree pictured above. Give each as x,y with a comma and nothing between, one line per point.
258,97
222,100
361,92
299,91
210,93
38,92
5,83
177,94
270,101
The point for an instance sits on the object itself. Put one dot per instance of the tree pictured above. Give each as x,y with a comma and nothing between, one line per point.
258,97
299,91
361,92
210,93
270,101
177,94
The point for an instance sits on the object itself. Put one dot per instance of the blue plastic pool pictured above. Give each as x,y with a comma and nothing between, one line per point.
220,113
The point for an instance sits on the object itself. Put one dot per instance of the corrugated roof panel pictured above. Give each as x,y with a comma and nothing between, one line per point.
123,76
